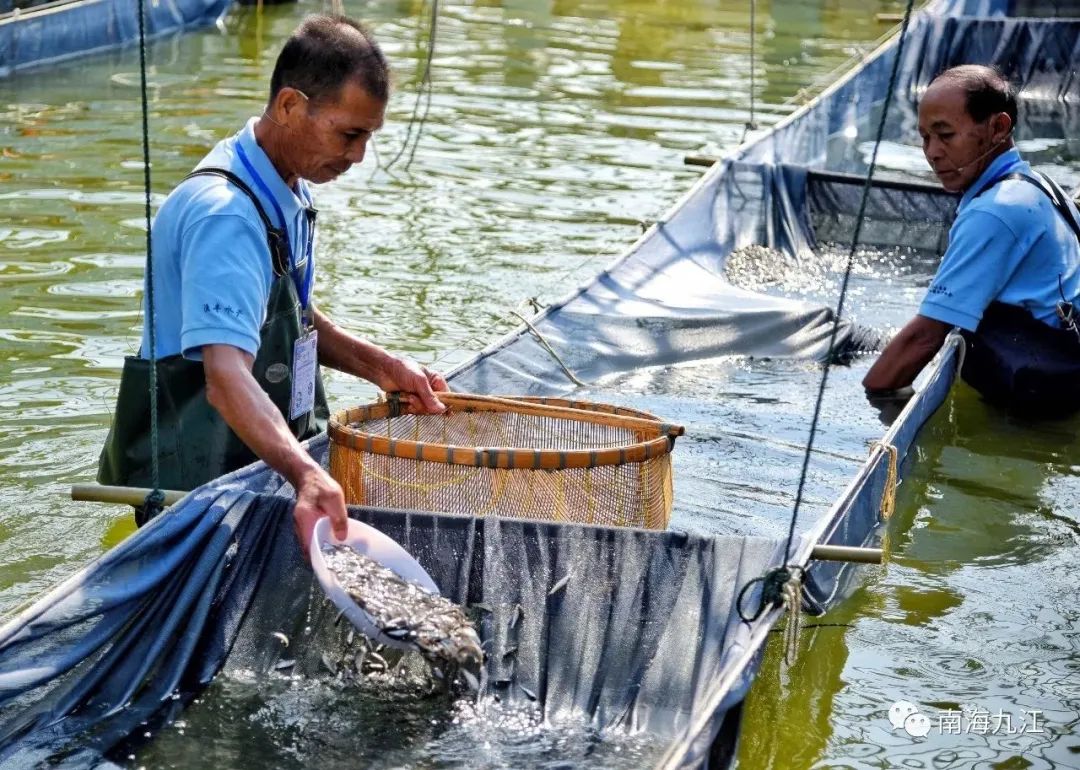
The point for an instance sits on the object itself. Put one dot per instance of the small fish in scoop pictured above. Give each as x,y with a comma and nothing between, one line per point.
435,627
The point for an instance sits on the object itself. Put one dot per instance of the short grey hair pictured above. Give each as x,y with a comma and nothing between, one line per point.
325,52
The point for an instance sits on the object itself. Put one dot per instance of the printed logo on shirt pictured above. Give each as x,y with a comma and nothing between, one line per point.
940,290
217,307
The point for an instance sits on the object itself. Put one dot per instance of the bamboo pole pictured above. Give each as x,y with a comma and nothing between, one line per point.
98,493
698,160
135,496
846,553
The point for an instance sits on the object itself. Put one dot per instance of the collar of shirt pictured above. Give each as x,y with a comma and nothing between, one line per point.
1006,163
290,201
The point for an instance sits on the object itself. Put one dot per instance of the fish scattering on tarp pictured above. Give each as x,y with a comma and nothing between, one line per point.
434,626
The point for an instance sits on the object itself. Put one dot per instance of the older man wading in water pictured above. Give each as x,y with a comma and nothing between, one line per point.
238,339
1010,278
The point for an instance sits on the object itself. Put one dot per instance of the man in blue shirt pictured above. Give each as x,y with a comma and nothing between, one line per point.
236,336
1011,251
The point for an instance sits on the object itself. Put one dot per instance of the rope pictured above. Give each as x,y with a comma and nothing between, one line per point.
792,596
888,495
847,277
547,346
423,92
773,586
775,589
781,587
482,337
819,84
155,500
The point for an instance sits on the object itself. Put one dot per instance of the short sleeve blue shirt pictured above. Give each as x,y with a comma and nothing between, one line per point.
1010,245
212,268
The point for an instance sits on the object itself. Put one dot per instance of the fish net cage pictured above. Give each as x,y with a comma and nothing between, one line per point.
536,458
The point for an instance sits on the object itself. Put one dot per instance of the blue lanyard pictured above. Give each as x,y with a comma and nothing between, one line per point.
303,284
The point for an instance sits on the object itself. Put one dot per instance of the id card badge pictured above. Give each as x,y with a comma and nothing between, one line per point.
304,366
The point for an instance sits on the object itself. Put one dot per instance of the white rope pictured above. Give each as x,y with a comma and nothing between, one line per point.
793,605
888,495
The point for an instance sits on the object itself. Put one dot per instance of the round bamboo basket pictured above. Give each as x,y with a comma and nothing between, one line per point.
537,458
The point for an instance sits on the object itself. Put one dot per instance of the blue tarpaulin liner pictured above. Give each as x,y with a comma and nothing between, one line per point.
645,640
1037,54
64,30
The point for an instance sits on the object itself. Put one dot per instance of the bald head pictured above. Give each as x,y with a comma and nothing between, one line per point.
966,120
984,90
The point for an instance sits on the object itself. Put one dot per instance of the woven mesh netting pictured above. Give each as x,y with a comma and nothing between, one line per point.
472,461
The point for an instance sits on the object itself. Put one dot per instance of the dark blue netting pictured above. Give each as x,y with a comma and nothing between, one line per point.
1038,54
638,638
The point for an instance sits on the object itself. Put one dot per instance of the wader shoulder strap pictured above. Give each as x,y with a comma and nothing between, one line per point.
1051,190
276,238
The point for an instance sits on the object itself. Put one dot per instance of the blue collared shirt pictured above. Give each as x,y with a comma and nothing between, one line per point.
1010,245
212,270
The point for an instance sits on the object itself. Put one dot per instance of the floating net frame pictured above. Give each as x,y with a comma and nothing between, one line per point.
550,459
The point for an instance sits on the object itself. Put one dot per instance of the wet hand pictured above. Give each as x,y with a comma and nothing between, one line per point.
417,385
883,395
889,403
318,495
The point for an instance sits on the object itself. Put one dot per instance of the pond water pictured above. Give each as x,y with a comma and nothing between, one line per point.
556,128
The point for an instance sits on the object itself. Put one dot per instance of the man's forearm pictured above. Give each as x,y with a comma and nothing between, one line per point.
342,351
897,367
906,355
245,407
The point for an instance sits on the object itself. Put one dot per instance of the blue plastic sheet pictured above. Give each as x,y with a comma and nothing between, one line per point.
133,637
66,30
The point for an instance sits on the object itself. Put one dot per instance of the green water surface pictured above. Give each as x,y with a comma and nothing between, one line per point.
556,128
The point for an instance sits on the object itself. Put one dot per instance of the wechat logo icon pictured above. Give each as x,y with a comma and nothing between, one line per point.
905,714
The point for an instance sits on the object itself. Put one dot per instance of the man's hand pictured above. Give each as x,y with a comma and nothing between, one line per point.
889,403
416,384
318,495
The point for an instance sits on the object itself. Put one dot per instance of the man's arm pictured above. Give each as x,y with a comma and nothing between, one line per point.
982,254
233,391
906,355
342,351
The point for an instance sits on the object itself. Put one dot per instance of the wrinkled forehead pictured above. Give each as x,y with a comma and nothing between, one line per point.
944,101
353,107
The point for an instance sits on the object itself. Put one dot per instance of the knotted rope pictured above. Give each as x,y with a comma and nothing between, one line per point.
888,495
792,599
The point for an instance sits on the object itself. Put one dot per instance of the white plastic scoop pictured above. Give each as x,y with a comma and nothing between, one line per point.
376,546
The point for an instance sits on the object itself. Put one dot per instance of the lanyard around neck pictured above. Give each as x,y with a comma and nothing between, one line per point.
303,283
